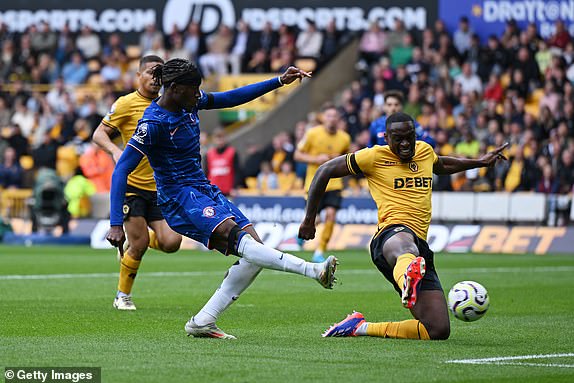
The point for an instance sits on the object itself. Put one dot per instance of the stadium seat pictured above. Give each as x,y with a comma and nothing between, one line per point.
67,161
133,51
457,206
307,64
492,206
27,162
527,207
13,203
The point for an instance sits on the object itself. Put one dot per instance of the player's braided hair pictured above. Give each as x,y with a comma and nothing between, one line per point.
177,71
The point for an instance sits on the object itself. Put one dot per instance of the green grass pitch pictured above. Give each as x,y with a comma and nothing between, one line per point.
62,319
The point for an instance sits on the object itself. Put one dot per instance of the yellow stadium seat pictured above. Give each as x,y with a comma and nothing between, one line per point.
133,51
306,64
26,162
67,161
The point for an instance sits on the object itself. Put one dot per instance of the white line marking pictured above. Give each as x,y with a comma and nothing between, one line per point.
162,274
507,360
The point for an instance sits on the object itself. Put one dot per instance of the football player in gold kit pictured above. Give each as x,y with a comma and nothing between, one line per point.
399,176
319,145
140,207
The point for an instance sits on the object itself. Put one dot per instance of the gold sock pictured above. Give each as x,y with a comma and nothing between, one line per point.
407,329
153,242
403,261
326,235
128,271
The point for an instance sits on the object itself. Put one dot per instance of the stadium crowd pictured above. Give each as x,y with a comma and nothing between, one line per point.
468,95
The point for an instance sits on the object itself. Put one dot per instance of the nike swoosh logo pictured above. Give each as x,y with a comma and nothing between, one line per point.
281,257
172,133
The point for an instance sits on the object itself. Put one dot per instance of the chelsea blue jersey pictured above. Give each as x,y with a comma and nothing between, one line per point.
170,140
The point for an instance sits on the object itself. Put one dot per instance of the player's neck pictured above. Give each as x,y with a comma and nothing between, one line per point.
147,94
166,103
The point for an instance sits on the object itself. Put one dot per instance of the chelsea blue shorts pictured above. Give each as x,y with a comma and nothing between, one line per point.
196,211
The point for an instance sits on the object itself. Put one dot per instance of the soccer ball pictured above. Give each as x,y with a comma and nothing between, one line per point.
468,301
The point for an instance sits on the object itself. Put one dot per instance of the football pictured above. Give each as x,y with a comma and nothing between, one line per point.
468,301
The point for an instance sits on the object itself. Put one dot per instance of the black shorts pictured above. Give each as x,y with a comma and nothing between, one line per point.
429,282
331,199
141,203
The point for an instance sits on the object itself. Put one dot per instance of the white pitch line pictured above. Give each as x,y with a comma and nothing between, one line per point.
162,274
508,360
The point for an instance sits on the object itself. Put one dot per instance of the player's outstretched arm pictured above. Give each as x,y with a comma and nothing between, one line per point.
231,98
334,168
103,138
450,165
128,161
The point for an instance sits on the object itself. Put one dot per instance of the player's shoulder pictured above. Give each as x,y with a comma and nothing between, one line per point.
379,122
423,149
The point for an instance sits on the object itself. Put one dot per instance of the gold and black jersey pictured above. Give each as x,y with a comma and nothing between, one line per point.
124,116
318,141
401,190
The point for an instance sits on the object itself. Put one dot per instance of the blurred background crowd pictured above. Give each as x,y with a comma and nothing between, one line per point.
468,95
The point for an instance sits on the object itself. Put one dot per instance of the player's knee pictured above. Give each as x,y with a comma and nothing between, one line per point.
439,331
171,245
138,246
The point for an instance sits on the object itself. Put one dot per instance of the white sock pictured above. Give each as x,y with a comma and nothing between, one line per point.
362,329
120,294
238,278
269,258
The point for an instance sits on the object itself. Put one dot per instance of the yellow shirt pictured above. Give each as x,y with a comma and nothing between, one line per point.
317,141
123,116
402,191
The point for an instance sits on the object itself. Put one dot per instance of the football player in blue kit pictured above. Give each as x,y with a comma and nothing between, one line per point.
394,104
168,134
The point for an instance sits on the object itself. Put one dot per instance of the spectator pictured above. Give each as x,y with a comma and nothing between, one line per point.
468,80
97,166
44,40
150,38
267,179
468,148
309,41
222,162
561,37
194,42
177,49
268,39
331,41
24,118
75,71
566,172
78,191
243,47
259,63
396,36
493,90
287,180
11,173
462,36
548,184
88,43
5,113
218,45
114,45
372,44
401,54
286,38
111,71
45,155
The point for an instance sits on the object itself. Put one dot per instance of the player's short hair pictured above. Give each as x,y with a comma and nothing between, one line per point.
328,105
150,59
178,71
398,117
394,94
